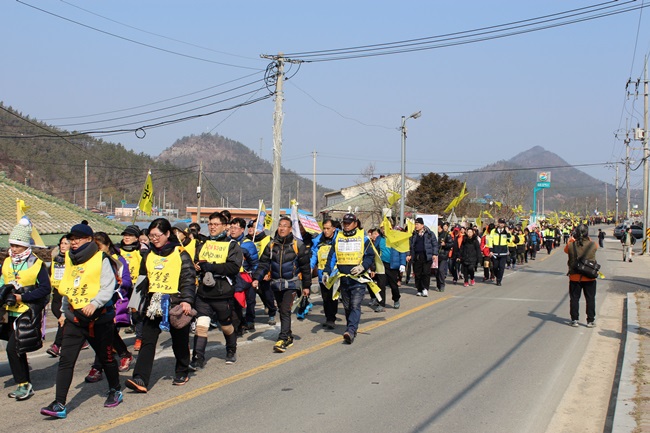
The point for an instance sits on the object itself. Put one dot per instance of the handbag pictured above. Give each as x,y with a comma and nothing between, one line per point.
586,267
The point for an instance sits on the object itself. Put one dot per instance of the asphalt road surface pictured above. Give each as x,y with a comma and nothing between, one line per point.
475,359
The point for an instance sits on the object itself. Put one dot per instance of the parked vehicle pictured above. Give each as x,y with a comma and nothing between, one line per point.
637,231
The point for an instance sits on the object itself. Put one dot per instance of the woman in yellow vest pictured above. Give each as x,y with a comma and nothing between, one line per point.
167,270
25,289
130,249
56,273
87,287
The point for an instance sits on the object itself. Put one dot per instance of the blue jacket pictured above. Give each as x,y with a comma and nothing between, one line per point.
384,251
250,262
318,242
397,259
430,244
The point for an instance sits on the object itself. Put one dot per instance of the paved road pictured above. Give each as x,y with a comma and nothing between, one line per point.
481,359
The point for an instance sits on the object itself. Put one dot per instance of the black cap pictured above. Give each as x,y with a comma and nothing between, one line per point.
419,220
349,218
81,231
132,230
502,221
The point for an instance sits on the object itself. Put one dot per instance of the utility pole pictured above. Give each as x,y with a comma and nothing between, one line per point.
627,176
313,188
605,201
616,216
646,165
198,194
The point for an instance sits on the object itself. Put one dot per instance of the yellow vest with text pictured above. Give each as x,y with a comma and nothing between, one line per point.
191,248
323,253
133,258
164,272
214,252
25,277
349,249
81,283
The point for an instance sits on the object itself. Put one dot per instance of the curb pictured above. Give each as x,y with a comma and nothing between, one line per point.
624,421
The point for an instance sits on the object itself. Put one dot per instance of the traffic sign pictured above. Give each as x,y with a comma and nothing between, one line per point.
543,184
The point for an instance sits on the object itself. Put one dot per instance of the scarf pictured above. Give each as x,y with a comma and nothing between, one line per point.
17,259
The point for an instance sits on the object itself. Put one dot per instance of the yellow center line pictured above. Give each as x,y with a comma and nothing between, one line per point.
141,413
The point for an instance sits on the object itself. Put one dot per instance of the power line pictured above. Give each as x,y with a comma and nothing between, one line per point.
133,40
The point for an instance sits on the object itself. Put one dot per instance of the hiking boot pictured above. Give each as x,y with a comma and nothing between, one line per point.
125,362
378,309
55,410
113,398
396,305
574,323
53,351
348,338
94,375
329,324
231,357
282,345
130,330
136,384
23,392
197,364
425,293
180,380
591,324
250,327
137,345
271,320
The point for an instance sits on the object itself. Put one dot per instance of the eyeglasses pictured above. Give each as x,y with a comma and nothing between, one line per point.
215,224
153,236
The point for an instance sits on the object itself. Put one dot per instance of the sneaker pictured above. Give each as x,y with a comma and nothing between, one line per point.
455,281
114,398
498,283
23,392
271,320
125,362
441,289
180,380
85,346
574,323
425,293
396,305
378,309
465,284
418,294
193,327
250,326
471,282
231,357
373,303
281,345
94,375
136,384
137,345
54,351
197,365
348,338
591,324
329,324
130,330
55,410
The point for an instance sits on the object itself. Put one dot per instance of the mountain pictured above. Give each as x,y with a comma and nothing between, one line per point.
51,160
512,182
236,175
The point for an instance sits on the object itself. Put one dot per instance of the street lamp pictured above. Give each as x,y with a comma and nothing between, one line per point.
403,192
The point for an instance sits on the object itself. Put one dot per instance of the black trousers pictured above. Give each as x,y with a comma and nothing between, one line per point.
180,346
118,345
441,273
380,279
468,272
499,266
422,271
100,338
589,289
55,306
330,306
285,298
392,277
17,362
224,309
267,297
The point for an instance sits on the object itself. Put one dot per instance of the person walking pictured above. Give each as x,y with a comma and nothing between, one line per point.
497,242
628,240
56,273
424,247
601,238
470,256
445,244
320,250
581,246
167,279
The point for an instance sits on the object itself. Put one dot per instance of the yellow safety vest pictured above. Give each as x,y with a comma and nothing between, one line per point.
349,249
191,248
323,253
164,272
81,283
260,245
133,258
25,277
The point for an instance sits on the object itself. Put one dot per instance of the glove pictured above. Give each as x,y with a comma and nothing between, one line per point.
357,270
325,278
402,268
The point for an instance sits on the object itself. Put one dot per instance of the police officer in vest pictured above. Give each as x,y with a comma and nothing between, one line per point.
219,259
351,256
497,242
24,289
87,287
322,244
287,259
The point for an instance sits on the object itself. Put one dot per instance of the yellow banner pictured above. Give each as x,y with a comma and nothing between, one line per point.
146,198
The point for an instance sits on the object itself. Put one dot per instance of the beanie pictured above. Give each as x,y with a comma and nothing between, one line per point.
21,234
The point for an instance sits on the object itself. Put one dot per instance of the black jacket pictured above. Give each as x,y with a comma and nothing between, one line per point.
443,250
279,257
470,251
223,273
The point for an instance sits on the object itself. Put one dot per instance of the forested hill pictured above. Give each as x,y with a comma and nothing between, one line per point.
34,153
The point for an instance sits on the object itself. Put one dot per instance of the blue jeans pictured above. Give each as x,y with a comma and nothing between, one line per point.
352,293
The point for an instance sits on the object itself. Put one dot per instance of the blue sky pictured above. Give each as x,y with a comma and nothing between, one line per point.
561,88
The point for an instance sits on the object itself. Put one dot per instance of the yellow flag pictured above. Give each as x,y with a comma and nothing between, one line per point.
21,208
393,197
146,199
498,203
478,222
457,199
396,239
488,214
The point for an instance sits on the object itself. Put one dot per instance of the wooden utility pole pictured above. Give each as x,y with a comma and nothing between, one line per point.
198,194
